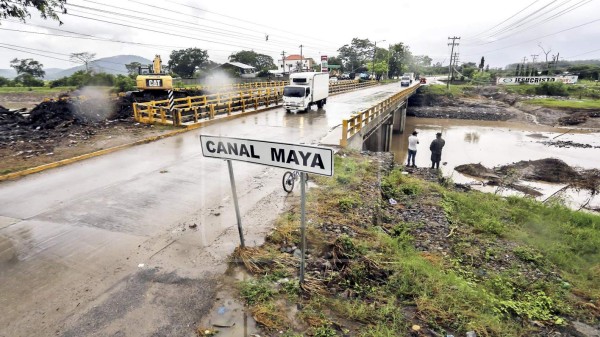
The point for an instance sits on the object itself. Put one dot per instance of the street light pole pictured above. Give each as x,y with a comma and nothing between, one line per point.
374,52
388,60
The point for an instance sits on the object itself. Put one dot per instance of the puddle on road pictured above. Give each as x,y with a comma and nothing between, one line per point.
500,143
228,315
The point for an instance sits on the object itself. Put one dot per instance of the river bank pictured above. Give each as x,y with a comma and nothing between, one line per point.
495,103
408,253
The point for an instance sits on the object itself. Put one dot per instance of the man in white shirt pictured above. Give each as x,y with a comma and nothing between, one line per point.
412,148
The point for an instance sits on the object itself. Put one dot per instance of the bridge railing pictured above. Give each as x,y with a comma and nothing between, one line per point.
236,86
363,119
193,109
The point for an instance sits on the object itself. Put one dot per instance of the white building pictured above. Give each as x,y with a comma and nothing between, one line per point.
295,63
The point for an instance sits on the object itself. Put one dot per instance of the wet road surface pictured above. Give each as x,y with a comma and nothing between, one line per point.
130,243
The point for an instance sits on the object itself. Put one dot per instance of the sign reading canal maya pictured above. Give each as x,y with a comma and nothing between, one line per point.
309,159
324,64
536,80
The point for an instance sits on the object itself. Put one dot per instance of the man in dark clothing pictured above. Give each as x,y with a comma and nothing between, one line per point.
436,150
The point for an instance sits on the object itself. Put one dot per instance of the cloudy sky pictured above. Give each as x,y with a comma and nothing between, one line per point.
502,31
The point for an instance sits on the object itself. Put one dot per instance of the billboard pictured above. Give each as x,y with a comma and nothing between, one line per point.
536,80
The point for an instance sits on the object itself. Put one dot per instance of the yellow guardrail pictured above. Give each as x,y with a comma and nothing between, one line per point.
236,86
189,110
349,85
363,119
192,109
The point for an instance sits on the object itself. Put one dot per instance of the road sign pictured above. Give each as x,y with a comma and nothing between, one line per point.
303,158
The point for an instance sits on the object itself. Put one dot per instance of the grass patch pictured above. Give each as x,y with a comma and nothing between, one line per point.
367,279
441,90
565,104
568,239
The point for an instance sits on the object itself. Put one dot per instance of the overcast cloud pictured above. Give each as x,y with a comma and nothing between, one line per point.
322,27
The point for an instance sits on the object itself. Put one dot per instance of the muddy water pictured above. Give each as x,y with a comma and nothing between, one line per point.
500,143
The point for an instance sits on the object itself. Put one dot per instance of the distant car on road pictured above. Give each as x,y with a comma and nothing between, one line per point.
423,80
405,81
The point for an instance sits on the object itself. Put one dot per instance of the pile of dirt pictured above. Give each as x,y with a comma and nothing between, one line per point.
475,170
549,170
568,144
574,119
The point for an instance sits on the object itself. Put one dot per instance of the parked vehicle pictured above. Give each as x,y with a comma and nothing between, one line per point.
306,90
423,80
405,81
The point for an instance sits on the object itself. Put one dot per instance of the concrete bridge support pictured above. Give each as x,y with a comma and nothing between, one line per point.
380,140
400,118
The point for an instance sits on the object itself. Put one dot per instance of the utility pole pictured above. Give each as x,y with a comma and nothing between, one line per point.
453,43
283,61
301,59
523,65
533,57
454,62
388,60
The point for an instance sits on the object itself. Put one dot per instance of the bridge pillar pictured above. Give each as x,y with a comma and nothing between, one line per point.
400,119
380,140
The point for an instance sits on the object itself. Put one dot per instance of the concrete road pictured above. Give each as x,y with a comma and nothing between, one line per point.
132,243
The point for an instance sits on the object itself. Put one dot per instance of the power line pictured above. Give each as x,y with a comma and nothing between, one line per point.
257,24
179,22
201,18
587,52
528,18
82,36
541,37
557,15
235,35
512,16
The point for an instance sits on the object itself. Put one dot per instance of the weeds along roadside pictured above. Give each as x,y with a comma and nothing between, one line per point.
440,259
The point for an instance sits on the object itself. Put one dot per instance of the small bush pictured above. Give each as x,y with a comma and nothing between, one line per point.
552,89
124,83
256,291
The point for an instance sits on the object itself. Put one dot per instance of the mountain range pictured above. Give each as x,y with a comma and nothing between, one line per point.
113,65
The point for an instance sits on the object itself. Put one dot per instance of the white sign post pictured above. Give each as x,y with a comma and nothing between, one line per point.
303,158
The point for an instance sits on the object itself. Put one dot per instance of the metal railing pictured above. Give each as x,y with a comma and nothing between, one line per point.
363,119
193,109
235,86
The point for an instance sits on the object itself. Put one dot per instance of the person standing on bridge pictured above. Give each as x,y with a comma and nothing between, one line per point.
436,150
412,149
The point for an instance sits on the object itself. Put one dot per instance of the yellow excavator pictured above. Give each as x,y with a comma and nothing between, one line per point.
152,81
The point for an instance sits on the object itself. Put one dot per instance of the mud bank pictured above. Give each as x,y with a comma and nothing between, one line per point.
493,104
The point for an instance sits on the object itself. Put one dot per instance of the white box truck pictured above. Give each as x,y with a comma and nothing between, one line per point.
305,90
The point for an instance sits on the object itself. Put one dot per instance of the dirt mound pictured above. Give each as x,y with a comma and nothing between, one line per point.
475,170
574,119
550,170
8,116
547,170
